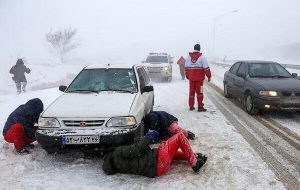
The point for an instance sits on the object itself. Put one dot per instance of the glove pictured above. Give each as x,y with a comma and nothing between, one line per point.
152,134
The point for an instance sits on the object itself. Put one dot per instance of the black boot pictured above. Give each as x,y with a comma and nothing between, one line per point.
199,164
191,135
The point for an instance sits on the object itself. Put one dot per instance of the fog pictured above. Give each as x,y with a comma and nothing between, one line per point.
127,30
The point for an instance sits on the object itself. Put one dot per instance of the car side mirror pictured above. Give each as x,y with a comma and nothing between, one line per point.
147,89
294,75
62,88
241,75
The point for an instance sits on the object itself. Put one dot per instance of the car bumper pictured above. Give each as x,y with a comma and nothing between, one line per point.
286,103
54,139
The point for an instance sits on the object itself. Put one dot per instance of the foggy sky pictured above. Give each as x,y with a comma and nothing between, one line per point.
127,30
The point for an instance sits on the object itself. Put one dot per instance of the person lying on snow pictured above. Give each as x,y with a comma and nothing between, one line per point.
19,127
166,124
140,159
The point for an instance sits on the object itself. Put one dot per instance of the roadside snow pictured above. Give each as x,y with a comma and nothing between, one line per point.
232,163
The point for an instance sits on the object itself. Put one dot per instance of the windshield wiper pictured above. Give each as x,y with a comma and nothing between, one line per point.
125,91
82,90
280,76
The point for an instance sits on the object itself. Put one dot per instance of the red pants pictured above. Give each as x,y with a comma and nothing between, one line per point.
16,135
196,87
168,151
174,128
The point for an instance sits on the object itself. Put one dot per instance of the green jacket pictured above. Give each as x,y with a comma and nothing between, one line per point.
134,159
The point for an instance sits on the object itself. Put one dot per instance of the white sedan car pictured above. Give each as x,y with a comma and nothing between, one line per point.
102,108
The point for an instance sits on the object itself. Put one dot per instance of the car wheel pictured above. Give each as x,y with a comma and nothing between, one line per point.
249,105
50,150
139,133
226,93
170,79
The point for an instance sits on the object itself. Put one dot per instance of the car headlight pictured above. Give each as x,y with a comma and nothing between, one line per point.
268,93
48,123
121,121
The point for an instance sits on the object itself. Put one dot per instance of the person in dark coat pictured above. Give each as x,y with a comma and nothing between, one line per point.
166,124
19,127
140,159
19,70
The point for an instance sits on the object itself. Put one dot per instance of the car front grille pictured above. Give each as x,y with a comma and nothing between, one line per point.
290,93
155,69
83,123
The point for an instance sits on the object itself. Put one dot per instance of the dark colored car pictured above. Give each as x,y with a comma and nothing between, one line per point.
262,85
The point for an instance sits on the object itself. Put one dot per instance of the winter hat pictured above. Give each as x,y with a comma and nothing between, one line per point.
20,62
197,47
107,166
34,106
151,120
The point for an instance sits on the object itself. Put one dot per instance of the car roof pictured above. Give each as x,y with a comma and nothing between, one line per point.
158,54
255,61
112,66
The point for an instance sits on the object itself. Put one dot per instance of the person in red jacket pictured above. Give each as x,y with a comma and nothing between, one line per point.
196,68
180,62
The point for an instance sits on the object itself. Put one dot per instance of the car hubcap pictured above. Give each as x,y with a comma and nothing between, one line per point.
249,103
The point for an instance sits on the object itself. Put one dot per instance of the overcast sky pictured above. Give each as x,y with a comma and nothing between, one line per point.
126,30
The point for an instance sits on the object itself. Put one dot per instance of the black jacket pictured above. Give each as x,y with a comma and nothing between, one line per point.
159,121
19,71
26,114
134,159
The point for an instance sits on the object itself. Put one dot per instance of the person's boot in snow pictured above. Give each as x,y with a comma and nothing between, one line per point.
191,135
201,156
199,164
31,146
192,108
24,151
202,109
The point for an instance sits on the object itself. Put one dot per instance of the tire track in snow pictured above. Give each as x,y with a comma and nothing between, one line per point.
263,144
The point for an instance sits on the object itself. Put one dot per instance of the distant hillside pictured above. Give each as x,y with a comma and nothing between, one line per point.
287,52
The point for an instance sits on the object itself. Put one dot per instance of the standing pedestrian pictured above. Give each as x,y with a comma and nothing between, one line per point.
140,159
196,68
19,70
181,62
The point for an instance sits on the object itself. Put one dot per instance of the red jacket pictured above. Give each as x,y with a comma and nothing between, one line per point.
196,67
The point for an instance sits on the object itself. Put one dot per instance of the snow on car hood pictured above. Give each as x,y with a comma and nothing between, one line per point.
104,104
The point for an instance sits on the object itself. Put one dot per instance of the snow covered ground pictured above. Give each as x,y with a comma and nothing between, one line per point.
232,163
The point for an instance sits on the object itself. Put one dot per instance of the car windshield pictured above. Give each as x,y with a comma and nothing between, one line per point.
268,70
157,59
97,80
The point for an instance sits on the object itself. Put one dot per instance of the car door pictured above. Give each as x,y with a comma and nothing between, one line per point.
231,77
240,81
147,97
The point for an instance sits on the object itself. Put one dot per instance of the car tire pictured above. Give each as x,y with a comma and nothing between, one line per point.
139,133
50,150
226,93
170,79
249,105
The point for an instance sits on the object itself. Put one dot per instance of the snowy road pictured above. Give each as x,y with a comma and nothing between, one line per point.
243,154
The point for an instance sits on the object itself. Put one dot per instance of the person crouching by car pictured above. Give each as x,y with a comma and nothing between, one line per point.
166,124
140,159
19,128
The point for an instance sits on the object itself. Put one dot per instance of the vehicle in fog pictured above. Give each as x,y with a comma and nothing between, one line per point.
262,85
102,108
159,66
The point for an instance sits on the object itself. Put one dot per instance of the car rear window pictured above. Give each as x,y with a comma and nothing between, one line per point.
157,59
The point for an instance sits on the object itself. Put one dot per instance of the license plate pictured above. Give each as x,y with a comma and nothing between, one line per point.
80,139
